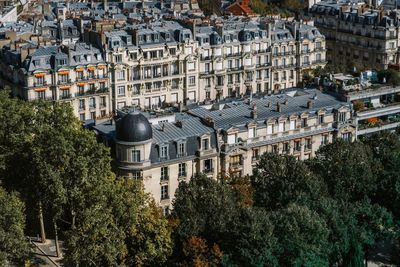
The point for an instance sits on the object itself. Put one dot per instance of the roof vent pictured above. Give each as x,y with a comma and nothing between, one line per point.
310,104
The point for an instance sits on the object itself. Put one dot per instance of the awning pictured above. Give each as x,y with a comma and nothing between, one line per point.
40,74
91,68
64,88
79,69
81,84
101,67
64,72
40,89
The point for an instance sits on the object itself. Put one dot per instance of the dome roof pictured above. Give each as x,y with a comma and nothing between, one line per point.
133,128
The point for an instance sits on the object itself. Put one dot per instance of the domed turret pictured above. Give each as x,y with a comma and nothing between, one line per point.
133,128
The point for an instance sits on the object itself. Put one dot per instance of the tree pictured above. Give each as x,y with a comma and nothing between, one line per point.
391,76
14,246
347,169
386,149
122,228
280,180
204,207
302,235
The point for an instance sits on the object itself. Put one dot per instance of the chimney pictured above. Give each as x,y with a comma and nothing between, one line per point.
285,102
253,113
178,124
310,104
278,107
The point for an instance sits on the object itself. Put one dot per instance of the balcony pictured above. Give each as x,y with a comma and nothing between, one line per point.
103,105
92,106
40,84
182,175
65,96
68,81
164,178
82,108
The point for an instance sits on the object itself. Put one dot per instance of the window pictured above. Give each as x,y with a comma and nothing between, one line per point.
306,60
347,136
92,102
81,104
286,148
321,119
256,155
117,58
308,144
164,174
325,139
208,165
136,175
121,90
235,160
120,75
63,78
192,80
163,152
297,146
40,80
181,149
172,51
82,117
164,192
342,116
93,115
231,139
135,155
304,122
205,143
252,133
182,170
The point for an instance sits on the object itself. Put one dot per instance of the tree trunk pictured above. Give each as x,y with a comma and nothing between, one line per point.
73,219
42,232
58,252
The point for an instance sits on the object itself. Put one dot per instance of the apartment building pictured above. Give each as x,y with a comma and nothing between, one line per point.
221,138
161,153
152,65
234,59
76,74
242,57
358,35
296,48
296,123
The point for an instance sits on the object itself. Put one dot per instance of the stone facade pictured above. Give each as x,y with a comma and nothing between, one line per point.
227,138
357,35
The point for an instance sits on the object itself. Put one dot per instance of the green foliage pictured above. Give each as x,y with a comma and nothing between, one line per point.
123,228
14,246
48,157
303,236
347,169
280,180
386,149
392,76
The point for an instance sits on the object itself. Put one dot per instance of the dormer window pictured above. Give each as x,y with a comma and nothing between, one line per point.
252,132
181,149
163,151
205,143
88,58
232,138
